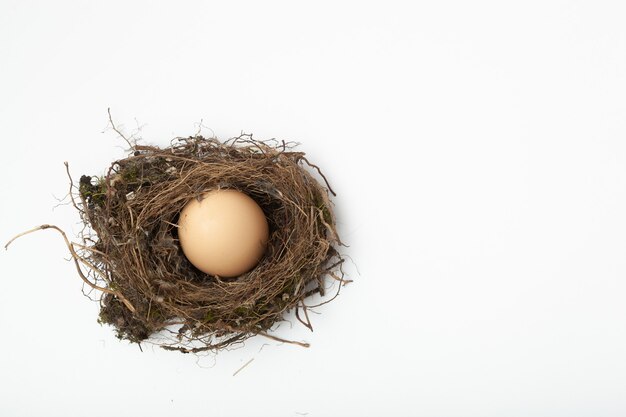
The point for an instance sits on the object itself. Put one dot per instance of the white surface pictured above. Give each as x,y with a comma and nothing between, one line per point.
479,154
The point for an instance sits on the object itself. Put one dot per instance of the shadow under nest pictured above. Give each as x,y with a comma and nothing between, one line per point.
131,215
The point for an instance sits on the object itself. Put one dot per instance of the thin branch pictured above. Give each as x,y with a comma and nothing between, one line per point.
319,171
307,323
118,131
243,366
76,258
280,339
208,347
67,169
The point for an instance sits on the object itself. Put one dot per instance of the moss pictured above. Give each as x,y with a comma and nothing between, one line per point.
130,173
327,216
319,203
242,311
93,194
103,318
155,314
209,317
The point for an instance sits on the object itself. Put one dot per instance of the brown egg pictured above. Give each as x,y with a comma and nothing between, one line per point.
224,234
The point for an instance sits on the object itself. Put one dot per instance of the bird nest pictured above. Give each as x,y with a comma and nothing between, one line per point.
151,292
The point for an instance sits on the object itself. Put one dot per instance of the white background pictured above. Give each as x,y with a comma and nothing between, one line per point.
479,154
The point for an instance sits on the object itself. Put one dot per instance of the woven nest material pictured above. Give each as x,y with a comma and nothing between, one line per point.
151,287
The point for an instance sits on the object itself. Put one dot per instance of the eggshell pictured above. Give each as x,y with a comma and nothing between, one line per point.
224,234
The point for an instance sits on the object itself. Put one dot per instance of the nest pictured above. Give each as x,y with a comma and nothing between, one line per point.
149,287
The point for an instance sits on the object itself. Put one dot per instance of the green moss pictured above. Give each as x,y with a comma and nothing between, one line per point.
326,214
103,319
130,173
93,193
155,314
319,203
209,316
242,311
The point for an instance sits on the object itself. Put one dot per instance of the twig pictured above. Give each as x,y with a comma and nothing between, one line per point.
307,323
319,171
117,130
280,339
243,366
342,281
67,169
75,257
215,346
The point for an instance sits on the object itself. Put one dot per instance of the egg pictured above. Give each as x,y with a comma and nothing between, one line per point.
223,233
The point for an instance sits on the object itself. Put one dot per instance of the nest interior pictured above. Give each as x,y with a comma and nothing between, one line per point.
132,212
